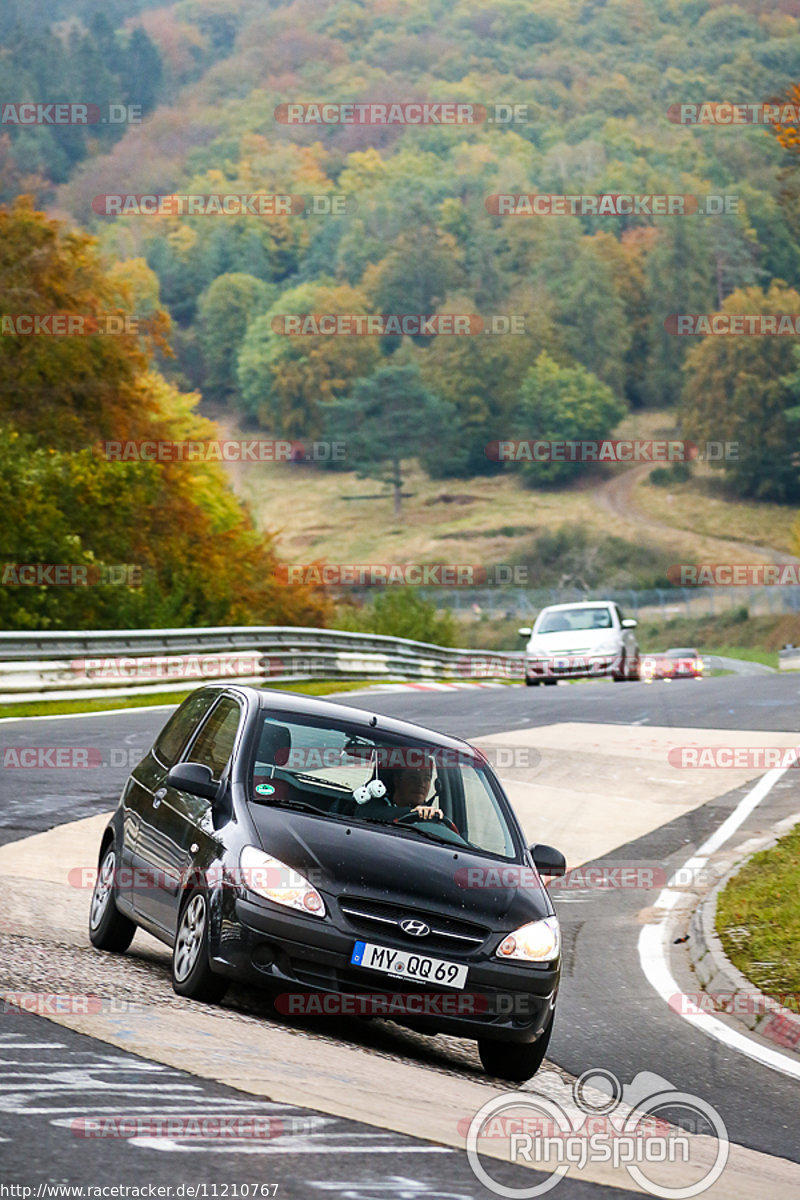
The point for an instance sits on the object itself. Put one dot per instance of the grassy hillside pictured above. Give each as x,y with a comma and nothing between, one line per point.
565,536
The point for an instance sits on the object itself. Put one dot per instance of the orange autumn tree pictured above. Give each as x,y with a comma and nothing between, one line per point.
63,500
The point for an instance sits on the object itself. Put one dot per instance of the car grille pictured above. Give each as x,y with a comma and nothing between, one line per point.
366,983
372,917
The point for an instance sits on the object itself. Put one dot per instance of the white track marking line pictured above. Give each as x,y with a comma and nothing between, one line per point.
105,712
652,945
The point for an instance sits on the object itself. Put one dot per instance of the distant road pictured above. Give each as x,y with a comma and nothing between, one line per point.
616,497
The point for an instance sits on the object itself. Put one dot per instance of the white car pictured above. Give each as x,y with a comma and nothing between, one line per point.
575,641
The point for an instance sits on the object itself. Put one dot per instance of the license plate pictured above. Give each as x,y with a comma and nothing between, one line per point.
403,964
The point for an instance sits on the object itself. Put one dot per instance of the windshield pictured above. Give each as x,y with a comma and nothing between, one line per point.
681,654
567,619
334,770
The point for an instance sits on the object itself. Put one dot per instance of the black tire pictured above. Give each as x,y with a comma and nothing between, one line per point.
191,971
109,929
514,1062
636,672
621,675
532,682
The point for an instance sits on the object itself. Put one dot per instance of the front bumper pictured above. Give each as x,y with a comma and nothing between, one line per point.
572,666
294,955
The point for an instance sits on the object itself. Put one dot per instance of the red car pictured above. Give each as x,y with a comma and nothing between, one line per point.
672,664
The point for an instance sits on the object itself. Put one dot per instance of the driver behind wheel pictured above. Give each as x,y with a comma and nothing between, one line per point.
411,787
407,791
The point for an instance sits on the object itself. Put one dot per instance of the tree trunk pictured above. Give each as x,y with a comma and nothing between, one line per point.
398,488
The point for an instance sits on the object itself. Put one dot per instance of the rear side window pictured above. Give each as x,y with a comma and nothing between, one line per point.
215,741
181,726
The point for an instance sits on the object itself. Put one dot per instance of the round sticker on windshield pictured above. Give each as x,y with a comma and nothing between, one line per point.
264,789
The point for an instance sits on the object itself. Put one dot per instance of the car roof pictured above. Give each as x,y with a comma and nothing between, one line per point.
292,702
578,604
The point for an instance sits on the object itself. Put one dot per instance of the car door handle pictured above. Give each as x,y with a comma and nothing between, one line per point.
159,796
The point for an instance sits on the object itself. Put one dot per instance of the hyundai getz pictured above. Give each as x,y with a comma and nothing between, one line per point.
347,862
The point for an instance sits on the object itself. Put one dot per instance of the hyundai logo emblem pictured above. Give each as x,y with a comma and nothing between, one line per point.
415,928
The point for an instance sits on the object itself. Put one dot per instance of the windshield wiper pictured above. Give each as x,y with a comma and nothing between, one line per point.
302,805
427,833
318,781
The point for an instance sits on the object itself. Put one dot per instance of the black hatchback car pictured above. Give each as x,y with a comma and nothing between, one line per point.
349,863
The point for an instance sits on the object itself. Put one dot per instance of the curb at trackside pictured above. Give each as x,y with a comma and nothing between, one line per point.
717,975
673,908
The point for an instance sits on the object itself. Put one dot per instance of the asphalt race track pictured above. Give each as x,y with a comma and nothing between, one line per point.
609,1016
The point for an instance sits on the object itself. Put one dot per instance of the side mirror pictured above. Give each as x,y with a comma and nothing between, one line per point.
525,631
548,861
629,623
194,778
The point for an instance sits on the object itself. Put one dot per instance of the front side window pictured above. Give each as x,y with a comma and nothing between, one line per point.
214,743
181,726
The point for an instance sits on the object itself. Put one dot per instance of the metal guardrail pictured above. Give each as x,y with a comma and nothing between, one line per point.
68,665
128,662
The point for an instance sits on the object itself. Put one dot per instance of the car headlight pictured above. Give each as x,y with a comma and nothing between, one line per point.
274,880
538,941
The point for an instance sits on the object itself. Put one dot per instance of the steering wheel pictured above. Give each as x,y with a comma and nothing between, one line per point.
413,815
